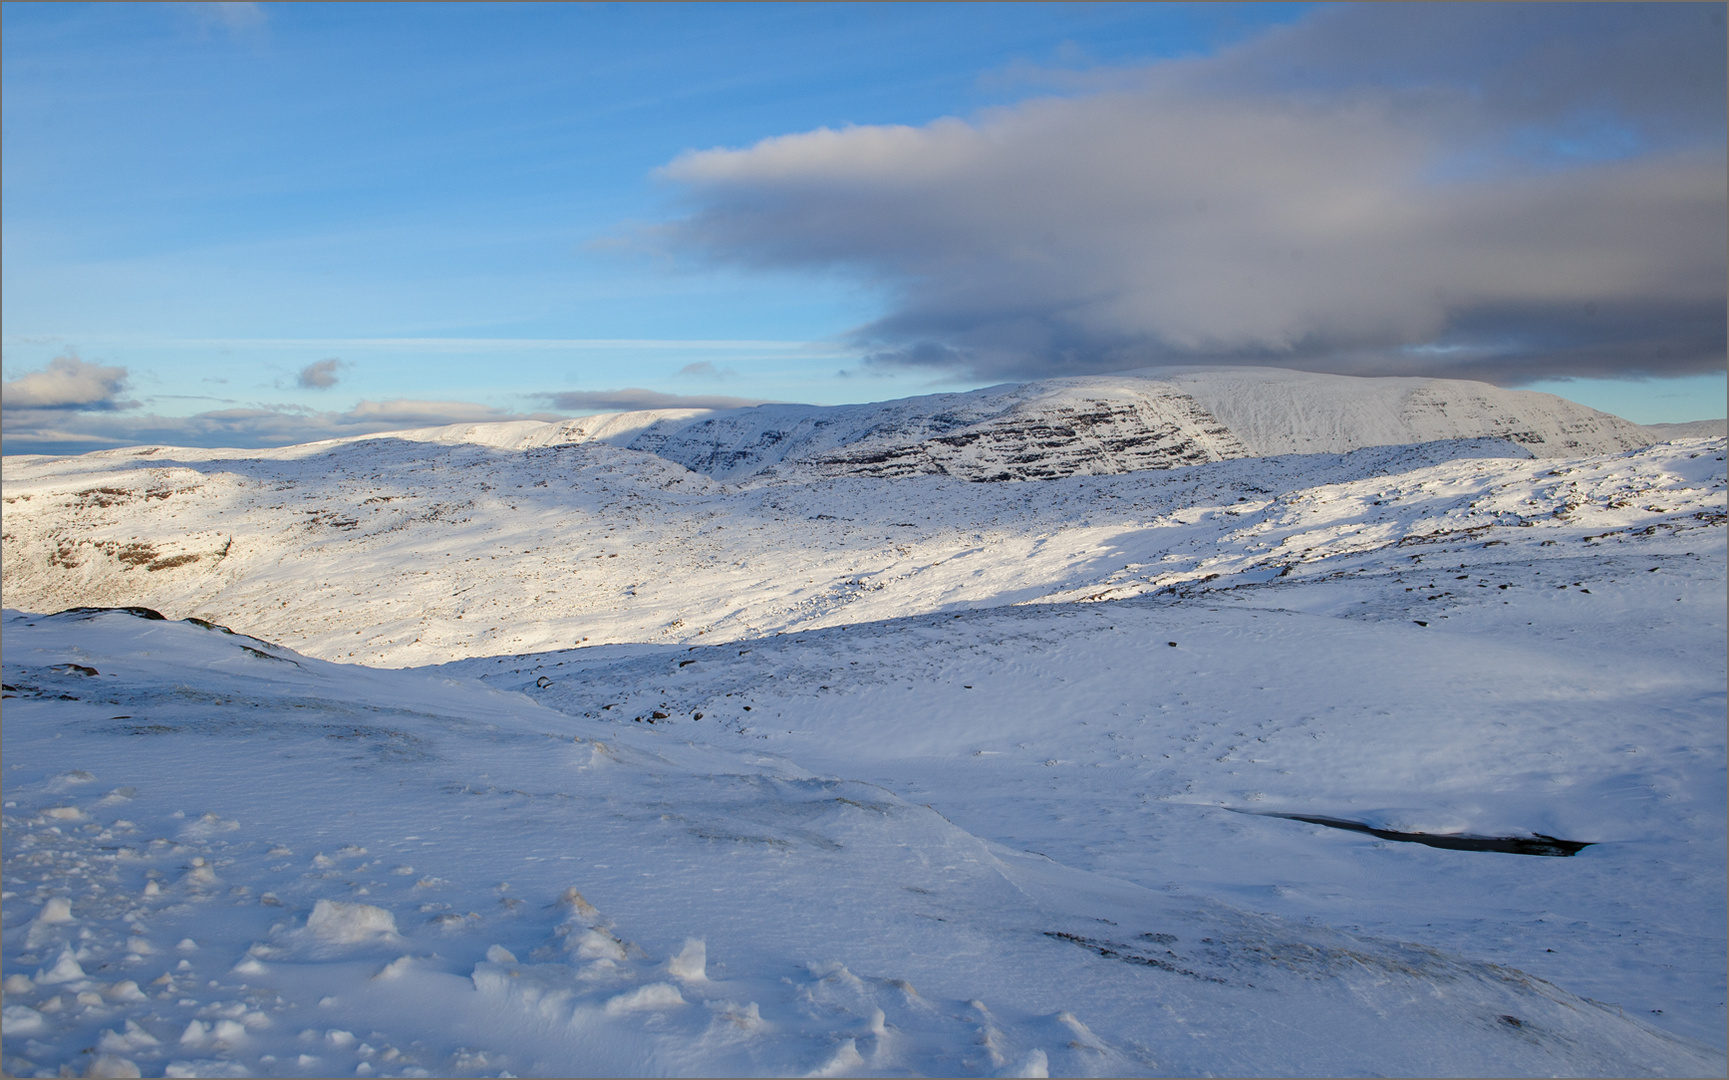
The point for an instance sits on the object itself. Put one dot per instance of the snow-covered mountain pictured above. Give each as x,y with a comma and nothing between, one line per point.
613,528
396,552
1094,425
769,742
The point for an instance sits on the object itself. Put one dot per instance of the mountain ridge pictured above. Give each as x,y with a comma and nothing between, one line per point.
1084,425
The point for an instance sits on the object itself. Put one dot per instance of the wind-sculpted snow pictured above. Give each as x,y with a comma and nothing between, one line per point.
459,881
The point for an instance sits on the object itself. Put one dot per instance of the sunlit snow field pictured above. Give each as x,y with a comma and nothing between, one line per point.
588,764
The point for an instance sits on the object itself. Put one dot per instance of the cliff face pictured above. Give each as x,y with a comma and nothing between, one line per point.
1031,432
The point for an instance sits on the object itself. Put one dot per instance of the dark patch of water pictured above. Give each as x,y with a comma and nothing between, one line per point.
1536,844
140,612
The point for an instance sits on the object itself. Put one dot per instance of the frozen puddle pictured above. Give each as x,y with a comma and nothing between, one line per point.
1536,844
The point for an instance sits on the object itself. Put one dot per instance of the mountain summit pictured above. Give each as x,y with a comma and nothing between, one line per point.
1089,425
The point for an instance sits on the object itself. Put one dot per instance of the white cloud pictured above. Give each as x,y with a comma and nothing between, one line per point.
67,383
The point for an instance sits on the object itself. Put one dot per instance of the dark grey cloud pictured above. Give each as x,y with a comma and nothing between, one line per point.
1580,71
631,399
67,383
320,375
1503,192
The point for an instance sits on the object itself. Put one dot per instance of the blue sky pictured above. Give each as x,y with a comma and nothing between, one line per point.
249,225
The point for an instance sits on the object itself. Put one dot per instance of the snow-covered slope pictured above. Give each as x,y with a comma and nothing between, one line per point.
863,768
1694,429
1288,412
224,859
398,552
1094,425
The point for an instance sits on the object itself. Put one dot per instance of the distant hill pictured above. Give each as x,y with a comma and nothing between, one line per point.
688,526
1692,429
1093,425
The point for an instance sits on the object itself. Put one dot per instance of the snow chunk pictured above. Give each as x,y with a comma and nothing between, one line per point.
578,905
339,922
205,1067
690,965
599,945
66,969
22,1020
650,998
224,1032
58,909
229,1031
846,1058
71,779
747,1017
111,1065
134,1038
207,825
399,966
124,990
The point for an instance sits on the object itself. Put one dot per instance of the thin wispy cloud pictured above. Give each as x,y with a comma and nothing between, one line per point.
705,369
1357,193
632,398
235,19
409,411
55,430
453,344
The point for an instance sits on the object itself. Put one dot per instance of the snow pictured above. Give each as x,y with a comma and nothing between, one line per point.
340,923
858,774
1093,425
